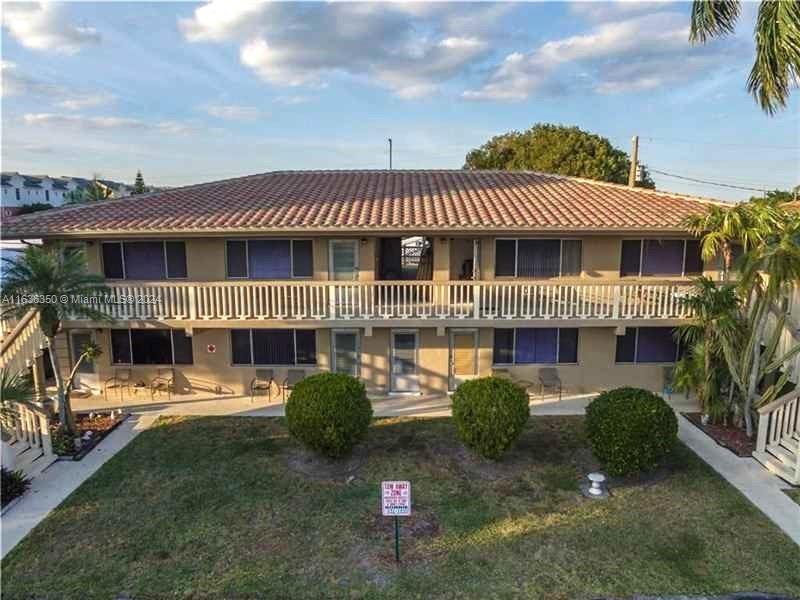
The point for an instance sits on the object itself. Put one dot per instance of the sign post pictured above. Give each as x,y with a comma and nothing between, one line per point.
396,502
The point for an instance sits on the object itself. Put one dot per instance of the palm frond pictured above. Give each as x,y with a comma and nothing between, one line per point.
777,63
713,18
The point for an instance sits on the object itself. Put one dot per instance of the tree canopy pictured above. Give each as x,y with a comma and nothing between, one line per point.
556,149
138,184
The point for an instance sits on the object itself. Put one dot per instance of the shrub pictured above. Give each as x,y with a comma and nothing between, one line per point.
63,442
329,413
14,484
490,414
630,430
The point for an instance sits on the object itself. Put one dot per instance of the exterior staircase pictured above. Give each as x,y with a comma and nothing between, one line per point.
25,431
778,442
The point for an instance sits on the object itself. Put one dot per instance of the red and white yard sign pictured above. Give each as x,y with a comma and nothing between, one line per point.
396,498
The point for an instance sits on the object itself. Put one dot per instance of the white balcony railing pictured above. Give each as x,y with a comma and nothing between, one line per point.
384,300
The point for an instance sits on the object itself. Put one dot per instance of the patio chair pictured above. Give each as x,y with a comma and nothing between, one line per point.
669,376
513,378
121,380
549,380
263,380
293,377
163,382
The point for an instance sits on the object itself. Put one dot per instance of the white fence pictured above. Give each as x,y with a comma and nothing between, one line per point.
396,300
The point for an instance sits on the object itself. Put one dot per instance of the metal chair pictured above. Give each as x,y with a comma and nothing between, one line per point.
264,380
163,382
549,380
513,378
669,387
293,377
121,380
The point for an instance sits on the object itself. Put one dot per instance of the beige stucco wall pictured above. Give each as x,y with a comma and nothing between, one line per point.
206,257
596,369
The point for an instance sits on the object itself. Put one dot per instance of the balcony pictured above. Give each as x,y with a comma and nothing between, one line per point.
208,304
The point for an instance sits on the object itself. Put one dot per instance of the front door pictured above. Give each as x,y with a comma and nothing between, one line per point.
404,368
86,376
463,356
344,268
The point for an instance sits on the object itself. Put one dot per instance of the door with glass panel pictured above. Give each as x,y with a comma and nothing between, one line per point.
86,375
344,268
463,356
345,353
404,361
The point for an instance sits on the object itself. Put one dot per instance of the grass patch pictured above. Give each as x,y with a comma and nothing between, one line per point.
216,507
794,494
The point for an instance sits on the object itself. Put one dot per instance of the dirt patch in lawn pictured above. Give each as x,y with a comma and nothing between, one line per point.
732,438
307,462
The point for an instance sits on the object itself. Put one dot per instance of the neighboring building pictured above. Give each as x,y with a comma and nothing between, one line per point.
19,190
411,280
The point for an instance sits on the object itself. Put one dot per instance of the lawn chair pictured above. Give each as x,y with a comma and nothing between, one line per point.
263,380
121,380
669,378
549,380
163,382
513,378
293,377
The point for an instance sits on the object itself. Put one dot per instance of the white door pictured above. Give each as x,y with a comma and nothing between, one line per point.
404,368
345,352
463,356
86,376
344,268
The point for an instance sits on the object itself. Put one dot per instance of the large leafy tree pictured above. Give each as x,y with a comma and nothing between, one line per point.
777,35
555,149
58,285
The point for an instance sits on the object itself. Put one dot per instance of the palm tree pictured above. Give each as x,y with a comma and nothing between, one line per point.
777,31
721,227
714,321
58,285
770,273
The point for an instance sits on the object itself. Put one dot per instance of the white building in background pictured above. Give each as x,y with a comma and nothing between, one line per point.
19,189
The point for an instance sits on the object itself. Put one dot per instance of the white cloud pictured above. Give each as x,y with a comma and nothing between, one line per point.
43,26
409,48
84,123
88,100
643,52
232,112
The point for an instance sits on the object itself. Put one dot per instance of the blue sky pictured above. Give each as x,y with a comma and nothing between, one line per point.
195,92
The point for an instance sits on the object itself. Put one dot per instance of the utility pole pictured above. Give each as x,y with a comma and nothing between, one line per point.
390,154
634,161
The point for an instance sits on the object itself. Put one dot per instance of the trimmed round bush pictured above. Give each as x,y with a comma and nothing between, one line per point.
490,413
630,430
329,413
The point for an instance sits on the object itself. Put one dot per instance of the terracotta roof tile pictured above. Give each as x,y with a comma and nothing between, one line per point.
371,200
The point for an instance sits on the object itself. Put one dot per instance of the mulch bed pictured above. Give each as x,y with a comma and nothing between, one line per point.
92,429
732,438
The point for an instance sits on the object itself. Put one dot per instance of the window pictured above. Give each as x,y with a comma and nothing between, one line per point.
144,260
345,352
269,259
660,257
47,195
151,347
647,345
545,345
273,347
537,258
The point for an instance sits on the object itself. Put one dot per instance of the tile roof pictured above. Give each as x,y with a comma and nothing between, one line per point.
371,201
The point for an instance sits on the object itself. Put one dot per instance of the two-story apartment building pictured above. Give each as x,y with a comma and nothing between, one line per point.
411,280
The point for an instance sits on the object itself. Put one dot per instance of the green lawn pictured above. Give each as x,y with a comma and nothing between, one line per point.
794,494
223,507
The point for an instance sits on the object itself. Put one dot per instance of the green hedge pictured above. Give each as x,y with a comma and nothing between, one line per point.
329,413
490,413
630,430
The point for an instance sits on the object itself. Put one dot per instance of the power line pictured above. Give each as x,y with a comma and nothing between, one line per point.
706,182
718,144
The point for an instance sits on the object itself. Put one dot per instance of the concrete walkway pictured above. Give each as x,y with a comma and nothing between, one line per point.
60,479
758,485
